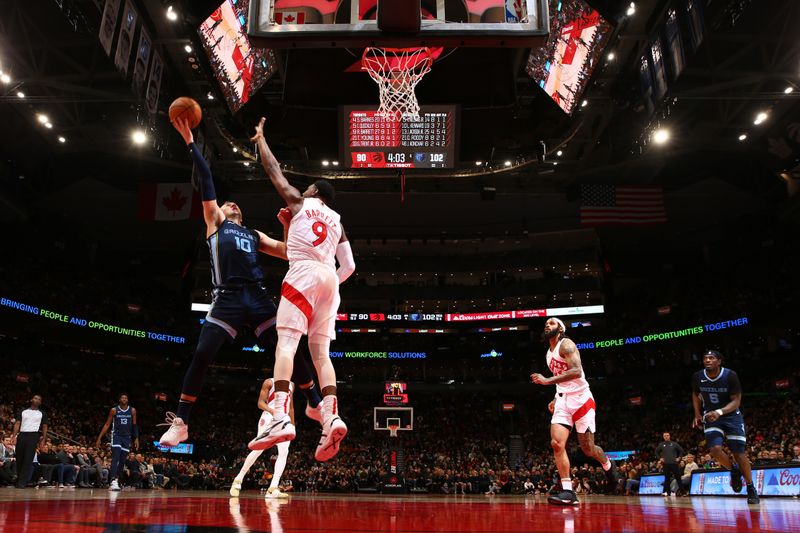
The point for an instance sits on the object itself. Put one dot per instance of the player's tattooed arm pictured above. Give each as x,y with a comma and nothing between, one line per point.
290,194
569,352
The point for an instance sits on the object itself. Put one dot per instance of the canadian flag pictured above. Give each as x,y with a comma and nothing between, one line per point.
290,17
168,201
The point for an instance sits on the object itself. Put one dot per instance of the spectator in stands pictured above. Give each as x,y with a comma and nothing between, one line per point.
796,453
689,467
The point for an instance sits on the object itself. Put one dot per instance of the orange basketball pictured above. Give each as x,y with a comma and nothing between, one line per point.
187,108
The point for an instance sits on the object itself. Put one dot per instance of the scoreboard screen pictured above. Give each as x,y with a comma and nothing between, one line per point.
371,141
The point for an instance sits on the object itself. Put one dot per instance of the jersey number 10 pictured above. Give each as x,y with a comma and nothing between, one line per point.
243,244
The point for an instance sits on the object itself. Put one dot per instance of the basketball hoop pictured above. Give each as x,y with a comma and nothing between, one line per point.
397,71
393,430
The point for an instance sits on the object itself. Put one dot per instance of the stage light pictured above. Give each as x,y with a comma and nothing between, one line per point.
611,56
507,163
325,163
788,90
62,139
235,149
5,78
631,9
210,96
171,15
42,118
560,153
138,137
20,94
584,103
743,137
247,163
335,163
761,117
661,136
478,163
48,125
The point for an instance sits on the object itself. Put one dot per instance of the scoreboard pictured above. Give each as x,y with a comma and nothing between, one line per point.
372,141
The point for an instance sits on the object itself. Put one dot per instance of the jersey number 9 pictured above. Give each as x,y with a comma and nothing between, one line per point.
321,231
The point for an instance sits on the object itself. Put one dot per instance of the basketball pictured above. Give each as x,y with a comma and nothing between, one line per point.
185,107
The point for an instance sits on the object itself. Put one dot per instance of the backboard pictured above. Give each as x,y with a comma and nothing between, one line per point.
383,417
352,24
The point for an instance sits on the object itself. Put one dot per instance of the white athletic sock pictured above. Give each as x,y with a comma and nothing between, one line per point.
280,464
607,465
330,407
251,458
566,484
282,400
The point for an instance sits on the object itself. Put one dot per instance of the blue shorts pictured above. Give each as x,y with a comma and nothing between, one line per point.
244,305
122,442
729,428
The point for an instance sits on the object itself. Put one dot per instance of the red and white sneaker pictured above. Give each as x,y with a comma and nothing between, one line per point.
277,432
178,431
333,432
314,413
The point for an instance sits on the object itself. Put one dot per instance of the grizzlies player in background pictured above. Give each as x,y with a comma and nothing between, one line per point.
717,393
124,431
240,298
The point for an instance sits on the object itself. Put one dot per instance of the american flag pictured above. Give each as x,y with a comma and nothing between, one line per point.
622,205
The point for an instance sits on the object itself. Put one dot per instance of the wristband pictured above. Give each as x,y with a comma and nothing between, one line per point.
719,412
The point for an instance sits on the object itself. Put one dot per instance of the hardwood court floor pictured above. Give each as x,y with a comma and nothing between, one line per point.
59,510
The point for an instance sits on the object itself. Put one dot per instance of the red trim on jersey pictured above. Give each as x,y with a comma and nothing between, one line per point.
297,298
585,408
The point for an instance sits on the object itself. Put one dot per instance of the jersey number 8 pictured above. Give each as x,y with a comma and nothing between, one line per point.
321,231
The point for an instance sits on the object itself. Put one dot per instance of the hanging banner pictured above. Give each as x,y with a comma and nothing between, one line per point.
108,25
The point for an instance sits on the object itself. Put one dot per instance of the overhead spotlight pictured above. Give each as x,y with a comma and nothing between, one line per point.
611,56
48,125
235,149
247,163
20,94
171,15
210,96
631,9
788,90
560,153
188,49
62,139
42,118
555,163
325,163
138,137
335,163
507,163
743,137
5,78
584,103
661,136
761,117
478,163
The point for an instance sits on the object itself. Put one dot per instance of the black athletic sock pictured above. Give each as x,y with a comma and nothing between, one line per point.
184,408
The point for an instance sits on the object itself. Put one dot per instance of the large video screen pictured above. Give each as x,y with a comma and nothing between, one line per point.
240,69
372,141
563,67
395,393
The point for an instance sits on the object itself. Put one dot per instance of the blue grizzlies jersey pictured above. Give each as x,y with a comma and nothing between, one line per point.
716,393
123,422
234,254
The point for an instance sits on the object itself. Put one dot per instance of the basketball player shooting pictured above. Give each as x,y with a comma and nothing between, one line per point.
266,402
240,297
573,406
309,300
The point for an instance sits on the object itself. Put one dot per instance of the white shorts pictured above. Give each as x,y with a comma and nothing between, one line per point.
575,409
309,300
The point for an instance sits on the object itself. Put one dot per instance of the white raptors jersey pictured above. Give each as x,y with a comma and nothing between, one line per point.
558,366
314,233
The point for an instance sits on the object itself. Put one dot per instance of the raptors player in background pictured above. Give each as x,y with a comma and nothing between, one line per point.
572,406
309,301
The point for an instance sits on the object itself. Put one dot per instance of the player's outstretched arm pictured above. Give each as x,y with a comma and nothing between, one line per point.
107,425
290,194
212,214
344,254
268,245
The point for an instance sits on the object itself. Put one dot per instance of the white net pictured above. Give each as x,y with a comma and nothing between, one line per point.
397,71
393,430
